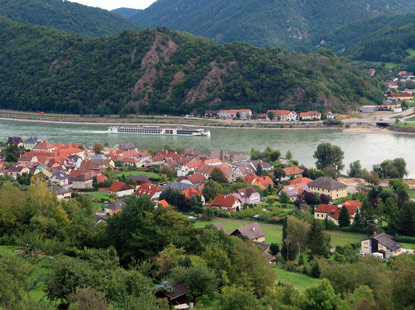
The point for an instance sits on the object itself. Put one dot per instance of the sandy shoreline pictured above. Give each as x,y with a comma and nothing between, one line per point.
361,130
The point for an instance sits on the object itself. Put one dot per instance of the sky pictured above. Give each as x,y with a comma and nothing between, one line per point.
115,4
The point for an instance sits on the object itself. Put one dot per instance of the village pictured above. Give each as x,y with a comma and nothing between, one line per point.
182,180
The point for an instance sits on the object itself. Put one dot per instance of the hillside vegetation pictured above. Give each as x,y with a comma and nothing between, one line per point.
383,38
65,15
163,71
294,24
126,12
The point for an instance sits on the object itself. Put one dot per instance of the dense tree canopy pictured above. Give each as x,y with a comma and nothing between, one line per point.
167,72
328,155
290,24
65,15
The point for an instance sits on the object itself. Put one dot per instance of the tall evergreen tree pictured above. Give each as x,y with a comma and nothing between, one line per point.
316,240
407,219
287,252
358,221
344,218
259,170
368,214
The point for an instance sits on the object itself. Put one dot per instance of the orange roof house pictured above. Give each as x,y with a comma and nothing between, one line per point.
162,203
263,182
332,212
293,171
149,190
206,170
300,180
119,186
226,202
250,178
283,115
352,205
44,146
190,192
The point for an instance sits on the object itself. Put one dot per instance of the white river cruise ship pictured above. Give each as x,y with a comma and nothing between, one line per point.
159,131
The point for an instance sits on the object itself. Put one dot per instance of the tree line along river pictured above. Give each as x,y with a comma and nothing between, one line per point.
369,148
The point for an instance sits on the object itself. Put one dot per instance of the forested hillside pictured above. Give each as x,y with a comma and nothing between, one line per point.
126,12
378,39
163,71
294,24
65,15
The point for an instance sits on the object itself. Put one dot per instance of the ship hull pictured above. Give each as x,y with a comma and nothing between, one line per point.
157,131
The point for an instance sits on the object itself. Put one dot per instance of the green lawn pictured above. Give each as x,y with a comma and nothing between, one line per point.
99,195
411,193
7,248
298,280
389,65
406,125
97,206
411,52
408,245
274,233
412,119
151,175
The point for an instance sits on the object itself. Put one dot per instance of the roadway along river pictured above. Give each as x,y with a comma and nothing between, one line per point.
369,148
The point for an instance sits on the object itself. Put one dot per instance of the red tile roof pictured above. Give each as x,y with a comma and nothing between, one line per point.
281,112
300,180
67,151
266,181
206,169
196,178
334,211
250,178
352,205
148,190
235,111
190,192
294,190
101,178
163,203
326,209
223,201
294,170
44,145
114,212
118,187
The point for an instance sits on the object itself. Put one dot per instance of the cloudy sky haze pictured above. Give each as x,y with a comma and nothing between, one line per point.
115,4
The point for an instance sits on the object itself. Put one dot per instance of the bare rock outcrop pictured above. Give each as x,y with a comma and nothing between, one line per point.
214,76
162,49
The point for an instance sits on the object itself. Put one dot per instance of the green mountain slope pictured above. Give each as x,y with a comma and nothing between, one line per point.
374,38
65,15
167,72
126,12
294,24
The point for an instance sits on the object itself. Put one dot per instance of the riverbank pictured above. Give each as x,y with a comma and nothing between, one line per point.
364,130
180,124
142,120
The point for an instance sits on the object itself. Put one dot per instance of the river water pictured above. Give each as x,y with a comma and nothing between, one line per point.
369,148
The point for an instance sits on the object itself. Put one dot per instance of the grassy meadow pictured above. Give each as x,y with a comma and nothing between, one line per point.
274,233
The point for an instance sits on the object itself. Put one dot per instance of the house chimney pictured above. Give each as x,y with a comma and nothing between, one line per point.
374,234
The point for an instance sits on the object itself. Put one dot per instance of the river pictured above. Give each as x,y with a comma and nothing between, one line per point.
369,148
